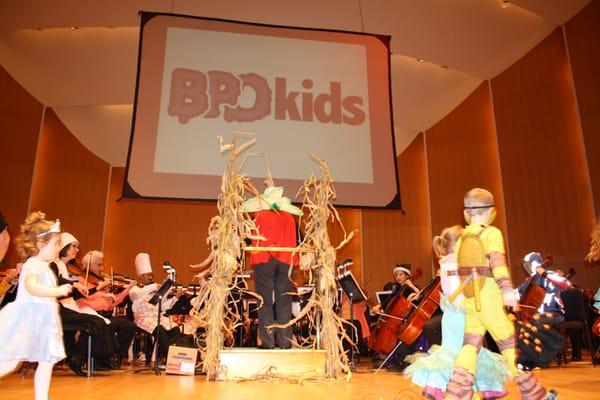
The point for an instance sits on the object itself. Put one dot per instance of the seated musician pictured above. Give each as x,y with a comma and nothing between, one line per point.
402,283
553,283
551,306
103,301
402,276
84,320
145,314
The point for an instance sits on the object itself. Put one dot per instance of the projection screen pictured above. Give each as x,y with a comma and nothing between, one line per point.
301,91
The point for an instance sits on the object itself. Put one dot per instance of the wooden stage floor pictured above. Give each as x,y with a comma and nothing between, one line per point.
575,381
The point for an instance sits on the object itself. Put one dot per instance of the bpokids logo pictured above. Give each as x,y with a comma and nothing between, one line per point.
199,94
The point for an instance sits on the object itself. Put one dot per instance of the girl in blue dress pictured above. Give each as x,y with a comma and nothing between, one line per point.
30,327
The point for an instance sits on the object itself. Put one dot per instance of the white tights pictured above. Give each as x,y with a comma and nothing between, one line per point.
41,382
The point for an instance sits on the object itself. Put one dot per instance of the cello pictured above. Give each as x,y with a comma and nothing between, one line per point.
430,301
384,336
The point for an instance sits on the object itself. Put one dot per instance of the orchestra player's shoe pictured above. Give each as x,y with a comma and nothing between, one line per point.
76,365
552,395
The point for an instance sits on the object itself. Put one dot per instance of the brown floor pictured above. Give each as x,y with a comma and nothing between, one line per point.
575,381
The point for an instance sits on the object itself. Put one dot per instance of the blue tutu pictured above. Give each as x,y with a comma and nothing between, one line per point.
434,369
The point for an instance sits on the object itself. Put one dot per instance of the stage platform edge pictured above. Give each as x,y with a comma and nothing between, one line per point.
243,363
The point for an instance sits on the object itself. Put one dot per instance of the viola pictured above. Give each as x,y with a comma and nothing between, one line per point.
429,302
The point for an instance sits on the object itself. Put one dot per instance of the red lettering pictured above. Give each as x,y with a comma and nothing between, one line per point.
223,88
262,102
188,94
351,105
285,103
194,93
333,101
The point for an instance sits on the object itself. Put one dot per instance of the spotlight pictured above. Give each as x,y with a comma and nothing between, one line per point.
420,60
73,28
505,3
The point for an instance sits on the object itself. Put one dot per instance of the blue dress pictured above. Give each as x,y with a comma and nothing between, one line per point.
30,327
433,371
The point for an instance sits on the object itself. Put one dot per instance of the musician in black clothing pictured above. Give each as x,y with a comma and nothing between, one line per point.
431,329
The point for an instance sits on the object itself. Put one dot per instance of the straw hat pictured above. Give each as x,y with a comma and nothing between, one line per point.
271,199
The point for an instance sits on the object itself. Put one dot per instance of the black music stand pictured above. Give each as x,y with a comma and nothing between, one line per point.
157,299
355,294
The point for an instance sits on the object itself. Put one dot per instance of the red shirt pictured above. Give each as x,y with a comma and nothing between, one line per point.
279,228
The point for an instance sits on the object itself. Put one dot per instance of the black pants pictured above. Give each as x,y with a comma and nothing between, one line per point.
170,337
433,329
272,279
103,338
125,330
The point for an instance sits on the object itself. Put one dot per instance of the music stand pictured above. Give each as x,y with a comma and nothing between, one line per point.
157,299
355,294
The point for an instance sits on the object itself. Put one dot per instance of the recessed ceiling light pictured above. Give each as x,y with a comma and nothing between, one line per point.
505,3
73,28
420,60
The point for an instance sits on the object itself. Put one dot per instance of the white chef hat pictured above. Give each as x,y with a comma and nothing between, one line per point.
142,264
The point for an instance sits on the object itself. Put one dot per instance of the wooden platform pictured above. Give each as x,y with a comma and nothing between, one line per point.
573,382
248,362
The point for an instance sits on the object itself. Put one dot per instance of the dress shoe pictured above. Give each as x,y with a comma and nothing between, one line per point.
75,364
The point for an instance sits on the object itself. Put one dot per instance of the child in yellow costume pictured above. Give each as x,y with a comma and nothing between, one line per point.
491,285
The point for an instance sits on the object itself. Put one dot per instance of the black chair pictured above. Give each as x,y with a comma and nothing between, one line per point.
90,359
577,315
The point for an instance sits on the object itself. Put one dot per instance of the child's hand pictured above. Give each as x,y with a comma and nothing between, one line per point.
509,299
64,290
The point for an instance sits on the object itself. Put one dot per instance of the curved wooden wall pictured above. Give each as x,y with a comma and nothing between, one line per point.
167,230
583,40
542,157
391,237
455,168
20,120
70,183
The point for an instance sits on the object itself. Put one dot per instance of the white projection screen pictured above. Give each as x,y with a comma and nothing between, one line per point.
301,91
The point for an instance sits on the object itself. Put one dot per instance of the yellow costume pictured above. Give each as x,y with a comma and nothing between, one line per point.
493,288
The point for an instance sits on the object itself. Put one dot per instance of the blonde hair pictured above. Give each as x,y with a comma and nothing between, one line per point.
32,233
477,201
89,257
444,243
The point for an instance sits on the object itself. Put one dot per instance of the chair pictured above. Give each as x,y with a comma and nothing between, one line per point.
577,314
90,359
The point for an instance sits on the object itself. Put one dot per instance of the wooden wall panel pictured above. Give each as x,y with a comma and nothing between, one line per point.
70,183
351,218
583,40
546,187
167,230
462,153
20,120
391,237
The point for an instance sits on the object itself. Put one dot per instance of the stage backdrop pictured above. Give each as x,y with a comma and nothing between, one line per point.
300,91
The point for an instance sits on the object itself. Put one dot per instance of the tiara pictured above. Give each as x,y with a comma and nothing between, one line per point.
55,228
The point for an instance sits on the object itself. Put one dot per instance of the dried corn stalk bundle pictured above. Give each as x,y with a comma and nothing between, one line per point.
226,234
317,195
594,254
